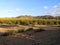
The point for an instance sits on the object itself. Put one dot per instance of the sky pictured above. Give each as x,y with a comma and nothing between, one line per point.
13,8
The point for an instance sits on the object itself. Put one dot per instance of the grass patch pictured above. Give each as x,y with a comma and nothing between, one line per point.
8,33
39,30
20,31
12,32
28,29
24,30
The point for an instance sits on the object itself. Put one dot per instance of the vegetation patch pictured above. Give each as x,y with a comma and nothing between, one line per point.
28,21
8,33
28,29
39,30
20,31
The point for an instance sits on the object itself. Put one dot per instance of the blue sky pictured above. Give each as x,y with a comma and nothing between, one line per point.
13,8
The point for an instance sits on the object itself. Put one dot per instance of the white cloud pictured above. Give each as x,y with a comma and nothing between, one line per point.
13,10
55,10
55,6
17,9
57,13
45,7
10,11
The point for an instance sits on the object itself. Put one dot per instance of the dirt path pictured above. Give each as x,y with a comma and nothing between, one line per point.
39,38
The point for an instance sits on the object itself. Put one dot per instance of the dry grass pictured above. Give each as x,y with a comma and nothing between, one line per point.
4,29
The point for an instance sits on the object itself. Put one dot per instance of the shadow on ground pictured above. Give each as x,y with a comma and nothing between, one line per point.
51,37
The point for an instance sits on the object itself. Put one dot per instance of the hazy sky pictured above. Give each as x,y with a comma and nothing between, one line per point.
13,8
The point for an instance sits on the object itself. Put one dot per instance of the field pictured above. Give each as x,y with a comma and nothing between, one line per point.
36,35
29,22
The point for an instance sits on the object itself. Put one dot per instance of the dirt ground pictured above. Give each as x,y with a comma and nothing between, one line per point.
51,36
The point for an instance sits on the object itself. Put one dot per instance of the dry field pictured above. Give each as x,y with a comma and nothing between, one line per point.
50,35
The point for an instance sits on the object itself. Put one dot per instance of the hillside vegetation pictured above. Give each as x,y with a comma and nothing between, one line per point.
25,20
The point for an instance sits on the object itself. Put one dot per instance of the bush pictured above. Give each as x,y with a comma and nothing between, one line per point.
20,31
28,29
8,33
39,30
24,30
5,34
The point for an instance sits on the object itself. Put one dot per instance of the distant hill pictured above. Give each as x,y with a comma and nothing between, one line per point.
41,17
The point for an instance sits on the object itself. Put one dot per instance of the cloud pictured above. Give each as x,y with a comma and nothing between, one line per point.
10,11
17,9
56,9
45,7
55,13
55,6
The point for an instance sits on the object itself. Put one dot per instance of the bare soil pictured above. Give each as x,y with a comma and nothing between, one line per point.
51,36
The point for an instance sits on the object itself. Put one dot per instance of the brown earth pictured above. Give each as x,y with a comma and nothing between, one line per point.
51,36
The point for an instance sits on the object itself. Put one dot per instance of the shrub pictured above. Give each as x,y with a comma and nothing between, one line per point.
28,29
24,30
5,34
39,30
20,31
8,33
